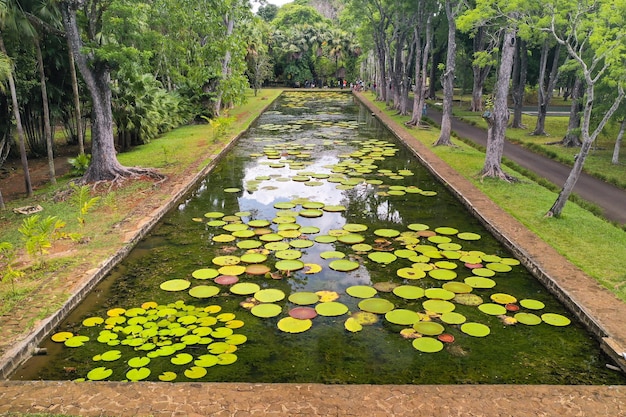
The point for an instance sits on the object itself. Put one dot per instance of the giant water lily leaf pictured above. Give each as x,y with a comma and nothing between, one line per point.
361,291
354,227
292,325
351,238
269,295
382,257
288,254
492,309
428,328
226,260
468,236
362,247
480,282
386,232
498,267
409,292
410,273
289,265
301,243
204,291
502,298
376,305
245,288
446,230
401,316
205,273
475,329
442,274
232,270
528,319
427,345
453,318
468,299
138,374
226,279
325,239
304,298
277,246
167,376
438,306
266,310
253,258
303,313
457,287
352,325
532,304
439,294
554,319
343,265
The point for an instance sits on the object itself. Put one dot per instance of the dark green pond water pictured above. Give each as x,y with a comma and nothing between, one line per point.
312,164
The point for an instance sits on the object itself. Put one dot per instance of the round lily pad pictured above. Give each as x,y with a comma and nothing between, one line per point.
99,374
249,244
554,319
352,325
386,232
351,239
382,257
361,291
417,227
244,288
61,337
480,282
334,209
195,372
457,287
343,265
325,239
528,319
502,298
226,358
232,270
475,329
446,230
427,344
76,341
226,279
301,243
439,294
354,227
304,298
410,273
288,254
331,309
468,299
266,310
309,230
284,205
269,295
332,254
442,274
453,318
303,313
428,328
277,246
92,321
376,305
214,215
181,359
138,374
438,306
401,316
289,265
409,292
167,376
258,223
205,273
253,258
483,272
532,304
292,325
492,309
175,285
204,291
206,361
361,247
468,236
257,269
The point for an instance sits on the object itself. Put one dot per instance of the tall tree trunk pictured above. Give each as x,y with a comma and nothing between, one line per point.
104,165
519,83
480,73
618,143
546,88
498,119
448,77
421,72
47,129
572,137
230,25
79,119
20,129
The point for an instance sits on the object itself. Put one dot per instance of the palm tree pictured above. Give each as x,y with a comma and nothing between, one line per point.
5,144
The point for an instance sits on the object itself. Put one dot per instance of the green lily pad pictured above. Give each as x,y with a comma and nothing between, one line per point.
480,282
331,309
528,319
354,227
502,298
352,325
325,239
99,374
408,292
376,305
554,319
468,236
258,223
138,374
410,273
532,304
76,341
167,376
266,310
245,288
351,238
492,309
483,272
232,270
175,285
418,227
361,291
214,215
439,293
309,230
382,257
304,298
442,274
386,232
468,299
205,273
92,321
475,329
226,260
204,291
195,372
269,295
438,306
403,317
111,355
289,265
427,344
361,247
301,243
284,205
498,267
206,361
429,328
343,265
453,318
226,358
253,258
277,246
288,254
291,325
311,213
457,287
446,230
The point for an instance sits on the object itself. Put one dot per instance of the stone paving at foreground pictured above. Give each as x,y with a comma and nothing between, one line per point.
604,312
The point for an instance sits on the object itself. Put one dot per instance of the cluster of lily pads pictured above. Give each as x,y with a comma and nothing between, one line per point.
434,270
158,333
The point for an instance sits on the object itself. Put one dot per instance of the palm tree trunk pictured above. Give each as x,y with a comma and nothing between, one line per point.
20,129
79,119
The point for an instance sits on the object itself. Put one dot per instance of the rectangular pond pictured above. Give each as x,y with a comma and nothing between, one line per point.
320,250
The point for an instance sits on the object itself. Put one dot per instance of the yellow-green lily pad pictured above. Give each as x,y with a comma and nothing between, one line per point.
269,295
175,285
205,273
167,376
343,265
442,274
427,344
410,273
438,306
428,328
331,309
99,374
453,318
138,374
361,291
528,319
266,310
376,305
492,309
475,329
291,325
408,292
532,304
195,372
554,319
204,291
382,257
480,282
402,317
245,288
352,325
304,298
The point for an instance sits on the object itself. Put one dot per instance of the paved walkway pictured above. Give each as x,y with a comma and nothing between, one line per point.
242,400
611,199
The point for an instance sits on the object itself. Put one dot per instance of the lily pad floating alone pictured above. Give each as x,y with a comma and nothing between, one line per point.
361,291
175,285
528,319
204,291
293,325
532,304
475,329
554,319
427,344
266,310
331,309
343,265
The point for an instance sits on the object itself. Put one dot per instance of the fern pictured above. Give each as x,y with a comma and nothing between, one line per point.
7,257
83,200
38,234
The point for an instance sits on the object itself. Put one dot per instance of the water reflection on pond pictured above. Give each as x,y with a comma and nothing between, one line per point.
319,213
